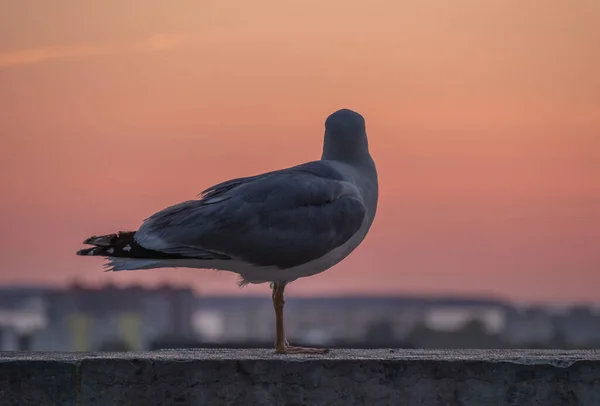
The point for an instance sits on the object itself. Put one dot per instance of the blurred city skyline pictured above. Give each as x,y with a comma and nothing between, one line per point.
114,318
483,119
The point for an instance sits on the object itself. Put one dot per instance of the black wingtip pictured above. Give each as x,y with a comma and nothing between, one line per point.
86,251
89,240
100,241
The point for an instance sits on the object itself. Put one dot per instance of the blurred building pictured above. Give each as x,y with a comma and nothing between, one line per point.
85,318
22,314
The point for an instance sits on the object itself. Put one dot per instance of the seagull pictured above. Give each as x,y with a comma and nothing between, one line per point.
272,228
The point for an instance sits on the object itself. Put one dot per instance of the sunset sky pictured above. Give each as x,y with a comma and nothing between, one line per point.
483,118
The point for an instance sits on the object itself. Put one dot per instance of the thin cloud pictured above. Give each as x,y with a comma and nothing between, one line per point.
30,56
163,42
37,55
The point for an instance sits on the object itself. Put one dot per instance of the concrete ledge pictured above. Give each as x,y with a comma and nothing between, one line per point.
344,377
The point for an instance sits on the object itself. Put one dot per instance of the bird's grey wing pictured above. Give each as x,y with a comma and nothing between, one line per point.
282,218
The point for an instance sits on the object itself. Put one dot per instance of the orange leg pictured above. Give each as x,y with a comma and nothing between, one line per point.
281,344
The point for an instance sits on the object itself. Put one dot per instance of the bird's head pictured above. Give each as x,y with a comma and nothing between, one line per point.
345,136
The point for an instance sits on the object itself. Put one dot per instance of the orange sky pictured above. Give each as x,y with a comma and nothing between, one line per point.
483,117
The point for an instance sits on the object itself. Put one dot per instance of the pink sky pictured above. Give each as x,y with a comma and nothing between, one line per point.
483,118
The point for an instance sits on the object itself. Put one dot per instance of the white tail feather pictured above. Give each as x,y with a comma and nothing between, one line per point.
131,264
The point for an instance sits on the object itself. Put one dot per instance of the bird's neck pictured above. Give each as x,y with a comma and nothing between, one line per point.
351,152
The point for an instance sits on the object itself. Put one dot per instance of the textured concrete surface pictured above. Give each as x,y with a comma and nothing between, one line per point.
343,377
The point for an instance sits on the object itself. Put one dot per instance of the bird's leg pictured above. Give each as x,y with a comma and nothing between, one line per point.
278,303
281,344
